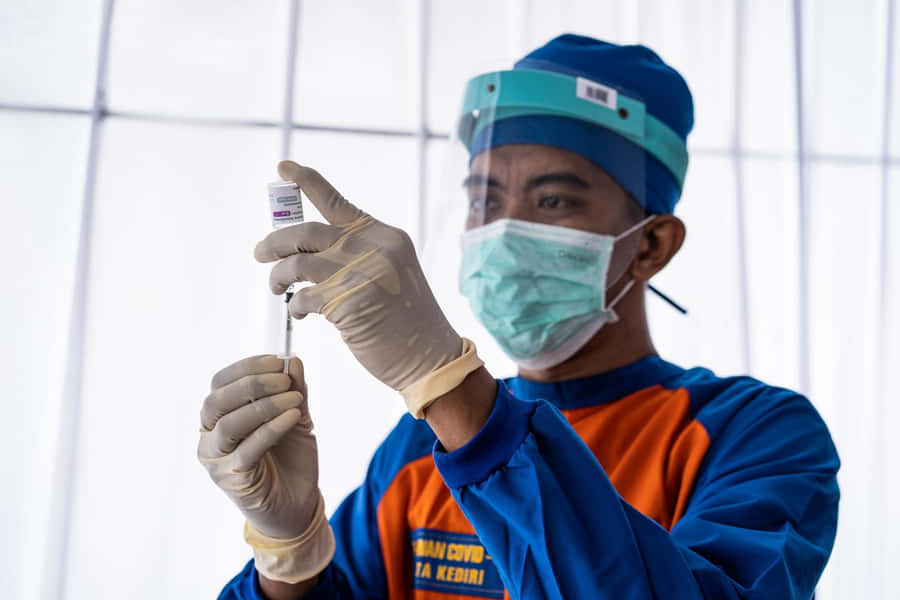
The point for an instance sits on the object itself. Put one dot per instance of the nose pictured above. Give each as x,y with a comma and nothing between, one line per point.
515,208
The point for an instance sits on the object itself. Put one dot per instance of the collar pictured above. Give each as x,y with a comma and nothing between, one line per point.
601,388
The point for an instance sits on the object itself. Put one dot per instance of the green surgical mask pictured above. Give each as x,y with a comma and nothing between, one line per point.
540,290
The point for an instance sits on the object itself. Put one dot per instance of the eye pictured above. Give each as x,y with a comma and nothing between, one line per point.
479,204
554,202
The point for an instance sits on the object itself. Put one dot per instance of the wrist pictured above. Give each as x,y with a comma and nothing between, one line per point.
426,390
279,590
455,417
293,560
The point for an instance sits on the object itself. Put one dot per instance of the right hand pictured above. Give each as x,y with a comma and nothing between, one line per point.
257,444
368,283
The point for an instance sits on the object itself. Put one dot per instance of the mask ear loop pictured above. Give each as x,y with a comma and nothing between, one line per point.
634,227
619,296
665,298
621,236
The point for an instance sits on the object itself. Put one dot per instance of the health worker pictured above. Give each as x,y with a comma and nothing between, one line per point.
600,470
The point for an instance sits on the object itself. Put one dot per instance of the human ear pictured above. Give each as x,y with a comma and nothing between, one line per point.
661,240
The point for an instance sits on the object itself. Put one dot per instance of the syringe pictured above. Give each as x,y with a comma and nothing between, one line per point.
288,325
286,209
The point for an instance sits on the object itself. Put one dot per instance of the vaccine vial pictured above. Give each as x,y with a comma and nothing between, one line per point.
284,204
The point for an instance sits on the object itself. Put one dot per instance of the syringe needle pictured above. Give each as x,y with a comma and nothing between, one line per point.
288,324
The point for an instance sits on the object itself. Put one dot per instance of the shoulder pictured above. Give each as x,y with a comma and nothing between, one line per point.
410,440
715,400
743,414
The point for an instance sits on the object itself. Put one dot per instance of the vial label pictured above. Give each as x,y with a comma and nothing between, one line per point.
284,204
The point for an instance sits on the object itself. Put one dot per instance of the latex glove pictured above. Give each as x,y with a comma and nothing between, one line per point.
369,284
257,444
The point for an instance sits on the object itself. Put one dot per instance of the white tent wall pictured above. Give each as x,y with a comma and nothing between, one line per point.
135,141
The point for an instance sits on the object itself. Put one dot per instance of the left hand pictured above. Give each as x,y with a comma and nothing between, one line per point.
257,444
368,283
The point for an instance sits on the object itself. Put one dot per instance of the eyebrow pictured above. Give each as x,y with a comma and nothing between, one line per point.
563,177
477,180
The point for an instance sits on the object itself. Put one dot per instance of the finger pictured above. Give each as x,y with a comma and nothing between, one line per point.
301,267
334,207
223,400
248,452
255,365
306,301
304,237
334,291
295,370
235,426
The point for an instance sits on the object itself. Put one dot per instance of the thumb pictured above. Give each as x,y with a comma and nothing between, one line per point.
334,207
295,371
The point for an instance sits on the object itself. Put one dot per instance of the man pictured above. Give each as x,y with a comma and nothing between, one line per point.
600,471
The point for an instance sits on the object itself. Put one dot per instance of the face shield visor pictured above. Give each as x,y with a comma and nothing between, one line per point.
561,152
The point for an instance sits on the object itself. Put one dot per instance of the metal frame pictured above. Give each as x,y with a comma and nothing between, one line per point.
423,134
738,160
60,520
59,530
802,203
879,502
289,76
811,157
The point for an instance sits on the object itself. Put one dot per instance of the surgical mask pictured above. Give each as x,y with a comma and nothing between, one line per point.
540,290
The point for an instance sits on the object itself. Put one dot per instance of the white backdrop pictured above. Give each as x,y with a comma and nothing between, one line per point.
135,141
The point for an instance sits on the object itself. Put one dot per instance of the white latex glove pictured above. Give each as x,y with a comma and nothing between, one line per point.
257,444
369,284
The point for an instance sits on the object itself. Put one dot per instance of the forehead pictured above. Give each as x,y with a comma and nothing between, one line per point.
528,154
519,162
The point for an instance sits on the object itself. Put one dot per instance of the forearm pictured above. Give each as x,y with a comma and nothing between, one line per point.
279,590
459,414
554,524
545,543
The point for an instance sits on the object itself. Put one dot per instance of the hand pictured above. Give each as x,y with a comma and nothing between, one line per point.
257,444
368,283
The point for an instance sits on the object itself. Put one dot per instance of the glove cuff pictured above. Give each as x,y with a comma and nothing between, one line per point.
296,559
437,383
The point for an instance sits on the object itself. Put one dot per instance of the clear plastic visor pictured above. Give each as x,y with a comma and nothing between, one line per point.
529,162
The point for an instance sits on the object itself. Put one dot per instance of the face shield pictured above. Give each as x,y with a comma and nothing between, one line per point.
553,149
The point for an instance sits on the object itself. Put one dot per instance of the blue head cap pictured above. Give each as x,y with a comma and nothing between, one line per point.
634,71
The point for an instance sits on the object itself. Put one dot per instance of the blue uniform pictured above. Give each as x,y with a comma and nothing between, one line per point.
648,481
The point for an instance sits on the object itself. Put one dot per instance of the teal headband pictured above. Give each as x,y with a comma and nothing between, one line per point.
526,92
